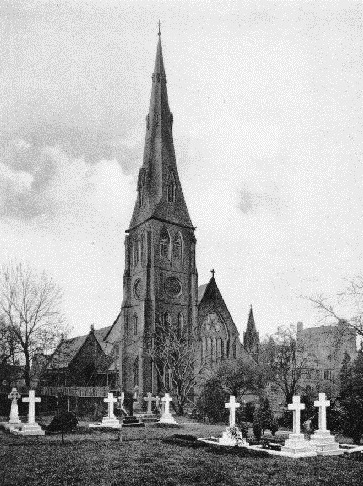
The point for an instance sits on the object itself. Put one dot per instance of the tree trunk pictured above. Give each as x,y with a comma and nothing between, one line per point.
27,370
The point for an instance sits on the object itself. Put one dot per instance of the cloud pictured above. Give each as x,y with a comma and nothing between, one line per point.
49,182
251,202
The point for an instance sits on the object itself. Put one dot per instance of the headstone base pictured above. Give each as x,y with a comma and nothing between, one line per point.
167,418
29,429
132,421
14,424
297,446
109,423
324,443
147,417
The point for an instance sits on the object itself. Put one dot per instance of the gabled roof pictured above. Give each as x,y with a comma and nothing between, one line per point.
201,290
68,348
211,292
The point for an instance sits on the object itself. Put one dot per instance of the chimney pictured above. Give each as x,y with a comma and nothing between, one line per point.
92,328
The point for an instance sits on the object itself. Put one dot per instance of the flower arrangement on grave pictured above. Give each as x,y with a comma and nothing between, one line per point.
235,434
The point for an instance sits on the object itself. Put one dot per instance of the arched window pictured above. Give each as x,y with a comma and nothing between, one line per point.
142,249
141,186
136,252
136,371
234,350
227,349
203,350
165,244
219,349
180,324
126,325
135,325
167,321
178,246
209,349
222,349
171,188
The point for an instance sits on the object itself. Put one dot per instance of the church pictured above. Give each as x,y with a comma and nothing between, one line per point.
160,281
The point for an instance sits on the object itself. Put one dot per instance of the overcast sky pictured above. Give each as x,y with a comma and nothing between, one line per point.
266,97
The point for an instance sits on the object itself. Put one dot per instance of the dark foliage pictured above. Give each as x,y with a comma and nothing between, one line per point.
211,404
63,422
257,425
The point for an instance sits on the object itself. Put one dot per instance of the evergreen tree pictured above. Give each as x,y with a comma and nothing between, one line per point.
351,400
265,413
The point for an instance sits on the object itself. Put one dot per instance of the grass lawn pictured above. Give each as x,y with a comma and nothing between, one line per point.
141,458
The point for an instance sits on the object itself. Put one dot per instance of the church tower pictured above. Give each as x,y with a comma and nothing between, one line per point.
160,280
251,339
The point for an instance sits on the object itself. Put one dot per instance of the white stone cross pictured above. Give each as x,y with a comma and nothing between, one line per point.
322,403
296,407
110,401
167,399
14,396
232,405
32,400
149,399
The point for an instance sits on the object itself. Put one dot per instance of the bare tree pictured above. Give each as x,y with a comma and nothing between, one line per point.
346,307
284,361
174,355
30,309
240,377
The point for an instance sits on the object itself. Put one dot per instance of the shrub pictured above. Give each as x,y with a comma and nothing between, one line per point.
63,422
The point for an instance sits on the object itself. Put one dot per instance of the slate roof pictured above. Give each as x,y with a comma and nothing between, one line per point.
68,348
201,290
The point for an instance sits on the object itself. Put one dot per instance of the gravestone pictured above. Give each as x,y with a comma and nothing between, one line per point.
322,440
110,421
14,420
30,428
149,399
130,420
166,417
296,445
232,436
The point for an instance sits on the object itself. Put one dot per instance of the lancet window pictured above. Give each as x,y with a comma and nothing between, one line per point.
178,246
165,244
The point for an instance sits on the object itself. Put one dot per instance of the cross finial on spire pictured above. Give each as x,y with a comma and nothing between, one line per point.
159,33
212,272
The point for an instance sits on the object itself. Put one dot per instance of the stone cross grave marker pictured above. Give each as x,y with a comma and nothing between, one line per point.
232,405
32,400
166,400
149,399
14,396
323,404
296,408
110,401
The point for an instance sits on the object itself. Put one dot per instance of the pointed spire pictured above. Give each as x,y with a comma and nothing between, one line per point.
251,338
160,193
251,326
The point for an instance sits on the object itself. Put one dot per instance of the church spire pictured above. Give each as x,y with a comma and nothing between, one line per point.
160,194
251,339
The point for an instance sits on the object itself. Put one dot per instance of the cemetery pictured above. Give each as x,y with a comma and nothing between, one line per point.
198,452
